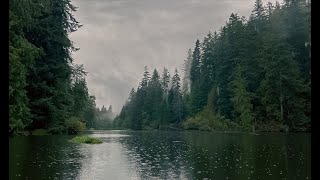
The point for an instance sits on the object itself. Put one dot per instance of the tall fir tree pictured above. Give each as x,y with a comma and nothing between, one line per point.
186,70
241,100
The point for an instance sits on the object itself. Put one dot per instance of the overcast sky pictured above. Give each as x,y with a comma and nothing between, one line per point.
120,37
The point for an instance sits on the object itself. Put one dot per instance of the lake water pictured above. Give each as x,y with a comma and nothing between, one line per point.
162,155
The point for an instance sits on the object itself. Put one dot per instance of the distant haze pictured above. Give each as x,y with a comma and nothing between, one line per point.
120,37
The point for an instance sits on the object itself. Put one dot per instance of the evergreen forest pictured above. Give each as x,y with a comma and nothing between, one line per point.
252,74
47,90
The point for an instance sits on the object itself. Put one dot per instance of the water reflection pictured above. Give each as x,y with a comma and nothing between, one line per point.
46,157
157,155
105,162
162,155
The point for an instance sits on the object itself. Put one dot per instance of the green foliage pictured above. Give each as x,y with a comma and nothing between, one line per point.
250,73
49,79
74,125
206,120
195,63
272,83
103,118
242,100
186,72
40,132
45,88
22,54
86,139
153,104
175,99
57,129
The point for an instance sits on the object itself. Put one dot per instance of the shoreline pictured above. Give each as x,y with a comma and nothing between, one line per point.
29,133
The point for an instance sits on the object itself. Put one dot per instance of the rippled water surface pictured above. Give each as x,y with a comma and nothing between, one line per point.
162,155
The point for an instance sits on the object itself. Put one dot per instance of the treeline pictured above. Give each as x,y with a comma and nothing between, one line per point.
157,101
251,75
103,118
46,89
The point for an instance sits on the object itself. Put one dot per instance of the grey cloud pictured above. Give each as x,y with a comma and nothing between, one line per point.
120,37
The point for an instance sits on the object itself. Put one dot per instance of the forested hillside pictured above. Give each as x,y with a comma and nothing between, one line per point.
252,74
47,90
103,118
